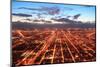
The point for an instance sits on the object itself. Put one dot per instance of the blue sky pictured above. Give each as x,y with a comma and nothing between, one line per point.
87,13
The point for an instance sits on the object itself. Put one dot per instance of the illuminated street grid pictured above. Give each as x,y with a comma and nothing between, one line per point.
50,46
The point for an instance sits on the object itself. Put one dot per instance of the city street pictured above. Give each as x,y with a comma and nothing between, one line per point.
53,45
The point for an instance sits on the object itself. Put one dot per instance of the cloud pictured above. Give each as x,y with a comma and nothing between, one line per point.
68,16
50,10
76,16
28,19
30,8
21,15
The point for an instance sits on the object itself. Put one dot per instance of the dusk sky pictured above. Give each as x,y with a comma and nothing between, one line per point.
86,13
